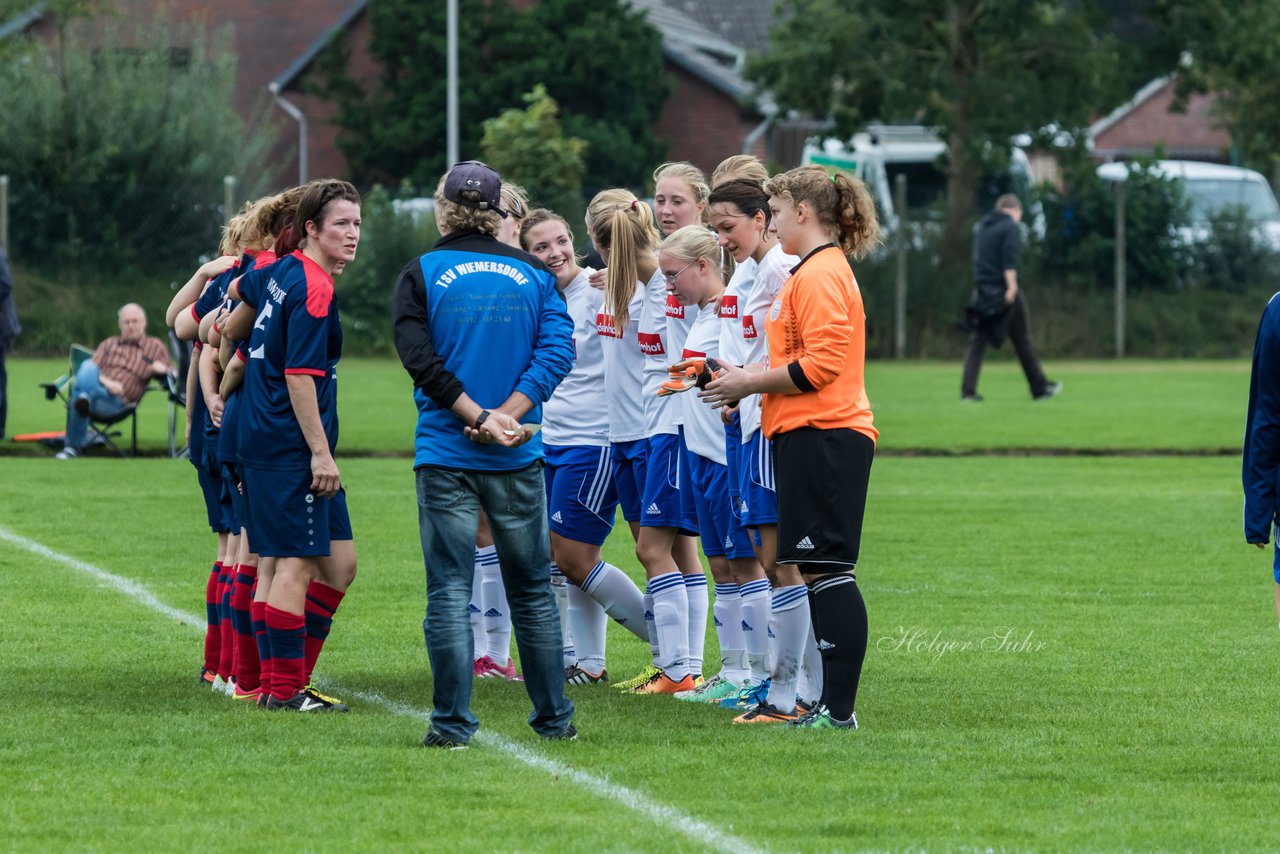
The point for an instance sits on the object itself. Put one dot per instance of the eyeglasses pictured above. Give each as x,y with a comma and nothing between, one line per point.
671,277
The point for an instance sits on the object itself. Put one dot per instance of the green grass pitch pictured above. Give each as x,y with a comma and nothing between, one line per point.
1067,653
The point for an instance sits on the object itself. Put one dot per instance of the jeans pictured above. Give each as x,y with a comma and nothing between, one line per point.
449,503
102,404
1020,335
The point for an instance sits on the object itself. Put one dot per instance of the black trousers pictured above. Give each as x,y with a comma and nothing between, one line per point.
1020,336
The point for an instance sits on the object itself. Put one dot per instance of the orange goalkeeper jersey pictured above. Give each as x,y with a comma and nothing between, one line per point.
817,328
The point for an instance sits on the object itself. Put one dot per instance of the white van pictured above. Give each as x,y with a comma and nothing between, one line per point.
1211,188
882,152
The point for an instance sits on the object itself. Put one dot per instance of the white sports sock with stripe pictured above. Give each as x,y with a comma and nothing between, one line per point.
587,622
755,627
671,620
497,615
651,629
699,602
810,685
733,649
619,596
791,621
476,611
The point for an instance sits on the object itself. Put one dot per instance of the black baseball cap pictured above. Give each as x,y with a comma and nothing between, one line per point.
476,185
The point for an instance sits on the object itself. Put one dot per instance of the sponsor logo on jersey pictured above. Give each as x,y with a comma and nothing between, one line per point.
674,308
651,344
691,354
277,293
729,307
607,326
806,543
749,327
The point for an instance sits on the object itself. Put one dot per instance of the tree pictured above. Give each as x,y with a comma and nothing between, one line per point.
979,71
528,147
600,60
117,143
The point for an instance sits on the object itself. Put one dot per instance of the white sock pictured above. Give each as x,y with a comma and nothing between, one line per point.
650,629
699,601
588,621
619,597
560,586
755,627
476,612
791,616
727,612
671,621
809,686
497,616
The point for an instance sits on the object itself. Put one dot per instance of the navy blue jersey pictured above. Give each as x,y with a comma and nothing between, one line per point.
1261,469
297,331
231,409
195,445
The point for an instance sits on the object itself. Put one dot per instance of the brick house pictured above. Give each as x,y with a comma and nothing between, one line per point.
712,112
1147,123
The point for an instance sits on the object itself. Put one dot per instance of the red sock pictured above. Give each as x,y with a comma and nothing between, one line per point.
227,656
213,633
286,632
246,661
322,604
258,618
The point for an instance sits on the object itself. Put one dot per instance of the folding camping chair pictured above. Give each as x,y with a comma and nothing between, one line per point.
100,432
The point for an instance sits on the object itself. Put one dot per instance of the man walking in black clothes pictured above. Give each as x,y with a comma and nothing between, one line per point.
998,307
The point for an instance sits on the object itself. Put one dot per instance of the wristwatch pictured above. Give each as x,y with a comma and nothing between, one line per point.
480,419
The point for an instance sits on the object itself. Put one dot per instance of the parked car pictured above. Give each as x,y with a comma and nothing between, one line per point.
1212,189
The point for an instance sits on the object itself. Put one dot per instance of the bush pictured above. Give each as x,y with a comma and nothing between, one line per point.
1234,256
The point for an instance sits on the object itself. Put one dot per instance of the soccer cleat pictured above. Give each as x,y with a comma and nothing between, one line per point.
485,667
222,686
246,696
569,733
819,717
710,691
639,679
748,696
314,693
435,739
764,713
575,675
263,698
305,701
664,684
207,676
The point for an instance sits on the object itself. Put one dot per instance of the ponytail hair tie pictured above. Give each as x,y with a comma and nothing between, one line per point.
633,203
833,179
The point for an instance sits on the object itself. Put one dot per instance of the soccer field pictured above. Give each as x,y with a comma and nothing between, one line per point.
1067,653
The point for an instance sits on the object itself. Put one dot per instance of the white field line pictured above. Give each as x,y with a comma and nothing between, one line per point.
697,830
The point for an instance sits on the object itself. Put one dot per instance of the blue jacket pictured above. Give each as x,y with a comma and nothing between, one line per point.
1262,429
474,314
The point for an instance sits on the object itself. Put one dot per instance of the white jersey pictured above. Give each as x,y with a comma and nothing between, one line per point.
660,415
575,413
679,322
624,366
703,429
771,275
732,348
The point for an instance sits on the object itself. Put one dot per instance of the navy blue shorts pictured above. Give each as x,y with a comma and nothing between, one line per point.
581,500
288,519
628,461
721,534
231,482
211,491
661,502
757,492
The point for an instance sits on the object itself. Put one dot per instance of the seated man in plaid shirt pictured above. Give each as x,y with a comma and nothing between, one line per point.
115,377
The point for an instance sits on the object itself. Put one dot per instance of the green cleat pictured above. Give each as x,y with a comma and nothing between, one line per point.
819,717
639,679
711,691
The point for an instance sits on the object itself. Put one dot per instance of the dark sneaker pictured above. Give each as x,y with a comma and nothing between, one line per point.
305,701
435,739
569,733
1053,389
971,398
575,675
819,717
66,454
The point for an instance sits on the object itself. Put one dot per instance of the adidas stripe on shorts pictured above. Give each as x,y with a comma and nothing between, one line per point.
822,478
581,500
